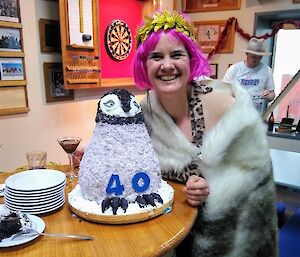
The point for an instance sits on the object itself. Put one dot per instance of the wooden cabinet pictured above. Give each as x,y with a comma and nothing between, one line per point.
80,43
83,25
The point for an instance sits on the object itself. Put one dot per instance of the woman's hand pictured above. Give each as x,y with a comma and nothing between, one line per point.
196,190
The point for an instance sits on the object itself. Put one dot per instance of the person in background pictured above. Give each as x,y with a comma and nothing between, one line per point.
212,142
255,76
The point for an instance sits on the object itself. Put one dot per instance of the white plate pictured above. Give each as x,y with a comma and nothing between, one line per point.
37,224
40,211
36,192
2,186
48,210
34,208
34,195
34,205
35,180
31,199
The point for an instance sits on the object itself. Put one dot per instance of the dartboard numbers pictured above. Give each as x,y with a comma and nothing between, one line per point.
140,183
118,40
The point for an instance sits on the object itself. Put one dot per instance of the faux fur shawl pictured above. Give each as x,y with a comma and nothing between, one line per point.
238,218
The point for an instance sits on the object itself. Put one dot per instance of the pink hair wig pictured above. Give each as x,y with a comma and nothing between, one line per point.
199,64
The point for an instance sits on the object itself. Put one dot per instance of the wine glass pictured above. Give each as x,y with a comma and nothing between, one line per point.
69,144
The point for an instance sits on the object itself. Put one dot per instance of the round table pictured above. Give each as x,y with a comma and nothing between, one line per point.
148,238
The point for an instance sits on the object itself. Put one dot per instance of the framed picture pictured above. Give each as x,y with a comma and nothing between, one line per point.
10,10
209,32
54,83
49,35
214,70
13,100
10,39
296,1
210,5
11,69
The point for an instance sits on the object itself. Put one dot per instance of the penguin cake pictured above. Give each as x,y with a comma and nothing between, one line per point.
119,174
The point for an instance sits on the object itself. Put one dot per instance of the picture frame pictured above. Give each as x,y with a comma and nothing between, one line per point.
210,5
10,39
214,70
10,10
11,69
49,35
54,83
13,99
208,34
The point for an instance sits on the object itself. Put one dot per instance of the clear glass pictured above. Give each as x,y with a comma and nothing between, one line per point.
70,144
37,160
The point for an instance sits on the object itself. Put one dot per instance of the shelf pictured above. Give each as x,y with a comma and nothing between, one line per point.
81,47
10,24
13,83
10,111
120,82
12,54
83,81
89,68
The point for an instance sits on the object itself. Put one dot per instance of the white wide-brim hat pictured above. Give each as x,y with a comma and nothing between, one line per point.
257,47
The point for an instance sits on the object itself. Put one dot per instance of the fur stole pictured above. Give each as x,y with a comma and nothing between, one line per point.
235,160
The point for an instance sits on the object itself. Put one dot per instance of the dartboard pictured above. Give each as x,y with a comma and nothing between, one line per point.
118,40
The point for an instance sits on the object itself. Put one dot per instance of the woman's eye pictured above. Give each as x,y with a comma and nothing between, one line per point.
177,55
155,57
109,103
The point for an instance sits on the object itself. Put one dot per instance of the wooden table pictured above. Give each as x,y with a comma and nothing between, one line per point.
145,239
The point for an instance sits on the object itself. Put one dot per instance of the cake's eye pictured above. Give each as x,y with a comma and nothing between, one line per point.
109,103
136,104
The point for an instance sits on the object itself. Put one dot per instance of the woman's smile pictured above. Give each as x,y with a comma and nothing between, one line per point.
168,77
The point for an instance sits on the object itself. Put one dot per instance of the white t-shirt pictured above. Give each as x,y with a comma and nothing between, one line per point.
254,80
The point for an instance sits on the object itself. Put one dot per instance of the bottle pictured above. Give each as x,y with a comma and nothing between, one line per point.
271,122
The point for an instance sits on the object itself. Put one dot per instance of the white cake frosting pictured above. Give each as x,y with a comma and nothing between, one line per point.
120,149
77,201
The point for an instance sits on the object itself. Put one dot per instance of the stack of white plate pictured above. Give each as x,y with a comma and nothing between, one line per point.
35,191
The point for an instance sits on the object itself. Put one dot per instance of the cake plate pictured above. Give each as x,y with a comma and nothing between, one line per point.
146,213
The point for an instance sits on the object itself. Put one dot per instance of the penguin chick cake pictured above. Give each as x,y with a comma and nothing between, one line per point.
119,173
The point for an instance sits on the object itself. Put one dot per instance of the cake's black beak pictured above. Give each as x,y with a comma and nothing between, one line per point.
126,106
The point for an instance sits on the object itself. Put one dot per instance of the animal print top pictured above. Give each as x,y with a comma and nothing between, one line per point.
198,127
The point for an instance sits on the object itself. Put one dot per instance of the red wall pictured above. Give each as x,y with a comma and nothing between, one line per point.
130,11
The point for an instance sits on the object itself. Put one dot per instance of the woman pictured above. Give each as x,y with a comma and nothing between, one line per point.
209,140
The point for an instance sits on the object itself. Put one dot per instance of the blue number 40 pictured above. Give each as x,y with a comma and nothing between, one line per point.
140,183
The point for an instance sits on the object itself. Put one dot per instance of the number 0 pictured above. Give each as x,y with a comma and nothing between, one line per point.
144,179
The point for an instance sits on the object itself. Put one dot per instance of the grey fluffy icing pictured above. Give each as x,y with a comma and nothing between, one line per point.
117,149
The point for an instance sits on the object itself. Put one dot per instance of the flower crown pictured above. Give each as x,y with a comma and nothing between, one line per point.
165,20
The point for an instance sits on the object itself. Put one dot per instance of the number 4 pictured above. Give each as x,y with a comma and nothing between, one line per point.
114,185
